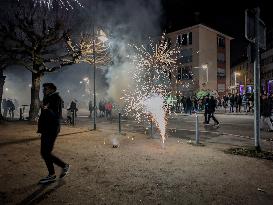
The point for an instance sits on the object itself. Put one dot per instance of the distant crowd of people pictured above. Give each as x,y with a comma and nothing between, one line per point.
233,103
8,106
104,110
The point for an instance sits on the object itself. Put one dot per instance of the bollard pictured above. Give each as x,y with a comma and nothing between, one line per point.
197,137
21,114
119,122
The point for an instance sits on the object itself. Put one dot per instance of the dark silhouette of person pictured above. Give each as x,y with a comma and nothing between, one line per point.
206,107
211,109
90,108
5,108
73,107
49,127
231,102
11,108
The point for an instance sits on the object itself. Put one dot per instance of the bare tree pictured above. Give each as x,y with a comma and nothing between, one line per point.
35,38
84,48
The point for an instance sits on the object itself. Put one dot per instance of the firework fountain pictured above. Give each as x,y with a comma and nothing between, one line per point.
145,97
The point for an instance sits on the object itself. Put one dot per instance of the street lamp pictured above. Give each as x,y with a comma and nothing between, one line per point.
101,36
235,78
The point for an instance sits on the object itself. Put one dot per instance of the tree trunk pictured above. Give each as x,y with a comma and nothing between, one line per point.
35,99
2,82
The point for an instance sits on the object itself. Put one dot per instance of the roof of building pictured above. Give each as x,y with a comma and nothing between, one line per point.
205,27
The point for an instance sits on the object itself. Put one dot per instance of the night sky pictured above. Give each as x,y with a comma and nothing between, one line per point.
224,16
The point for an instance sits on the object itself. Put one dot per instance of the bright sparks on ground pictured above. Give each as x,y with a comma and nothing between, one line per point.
145,97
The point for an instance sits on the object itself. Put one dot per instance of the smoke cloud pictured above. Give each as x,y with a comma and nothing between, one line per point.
126,22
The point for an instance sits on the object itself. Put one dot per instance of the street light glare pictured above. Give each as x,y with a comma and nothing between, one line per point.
205,66
102,36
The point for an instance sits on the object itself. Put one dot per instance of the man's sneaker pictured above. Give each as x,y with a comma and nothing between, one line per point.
65,171
217,125
48,179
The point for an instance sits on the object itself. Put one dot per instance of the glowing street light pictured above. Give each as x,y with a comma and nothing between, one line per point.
235,78
205,67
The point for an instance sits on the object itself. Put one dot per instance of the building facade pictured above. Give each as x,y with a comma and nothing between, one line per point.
267,71
204,61
241,77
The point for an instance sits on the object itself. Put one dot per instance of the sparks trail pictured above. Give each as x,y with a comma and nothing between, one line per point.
145,96
66,4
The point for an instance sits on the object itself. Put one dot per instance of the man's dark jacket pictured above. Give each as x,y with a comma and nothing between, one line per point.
49,120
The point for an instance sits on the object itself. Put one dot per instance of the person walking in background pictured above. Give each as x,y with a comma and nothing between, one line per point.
189,105
206,107
266,112
90,108
211,109
238,103
5,108
250,103
73,107
231,103
108,110
49,127
183,100
11,109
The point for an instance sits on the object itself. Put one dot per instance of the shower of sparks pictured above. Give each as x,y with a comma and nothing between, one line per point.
67,4
145,97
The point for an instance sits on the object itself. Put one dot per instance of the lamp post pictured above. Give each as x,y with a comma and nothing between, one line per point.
103,38
235,79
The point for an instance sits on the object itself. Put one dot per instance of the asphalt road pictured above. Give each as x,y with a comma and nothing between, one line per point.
241,125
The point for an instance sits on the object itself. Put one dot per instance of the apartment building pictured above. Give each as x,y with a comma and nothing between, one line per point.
204,61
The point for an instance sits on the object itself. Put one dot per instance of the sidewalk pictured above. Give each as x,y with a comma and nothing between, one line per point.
139,171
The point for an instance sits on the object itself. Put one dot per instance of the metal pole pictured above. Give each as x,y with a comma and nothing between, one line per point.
235,79
245,83
197,137
119,122
257,83
94,65
21,114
